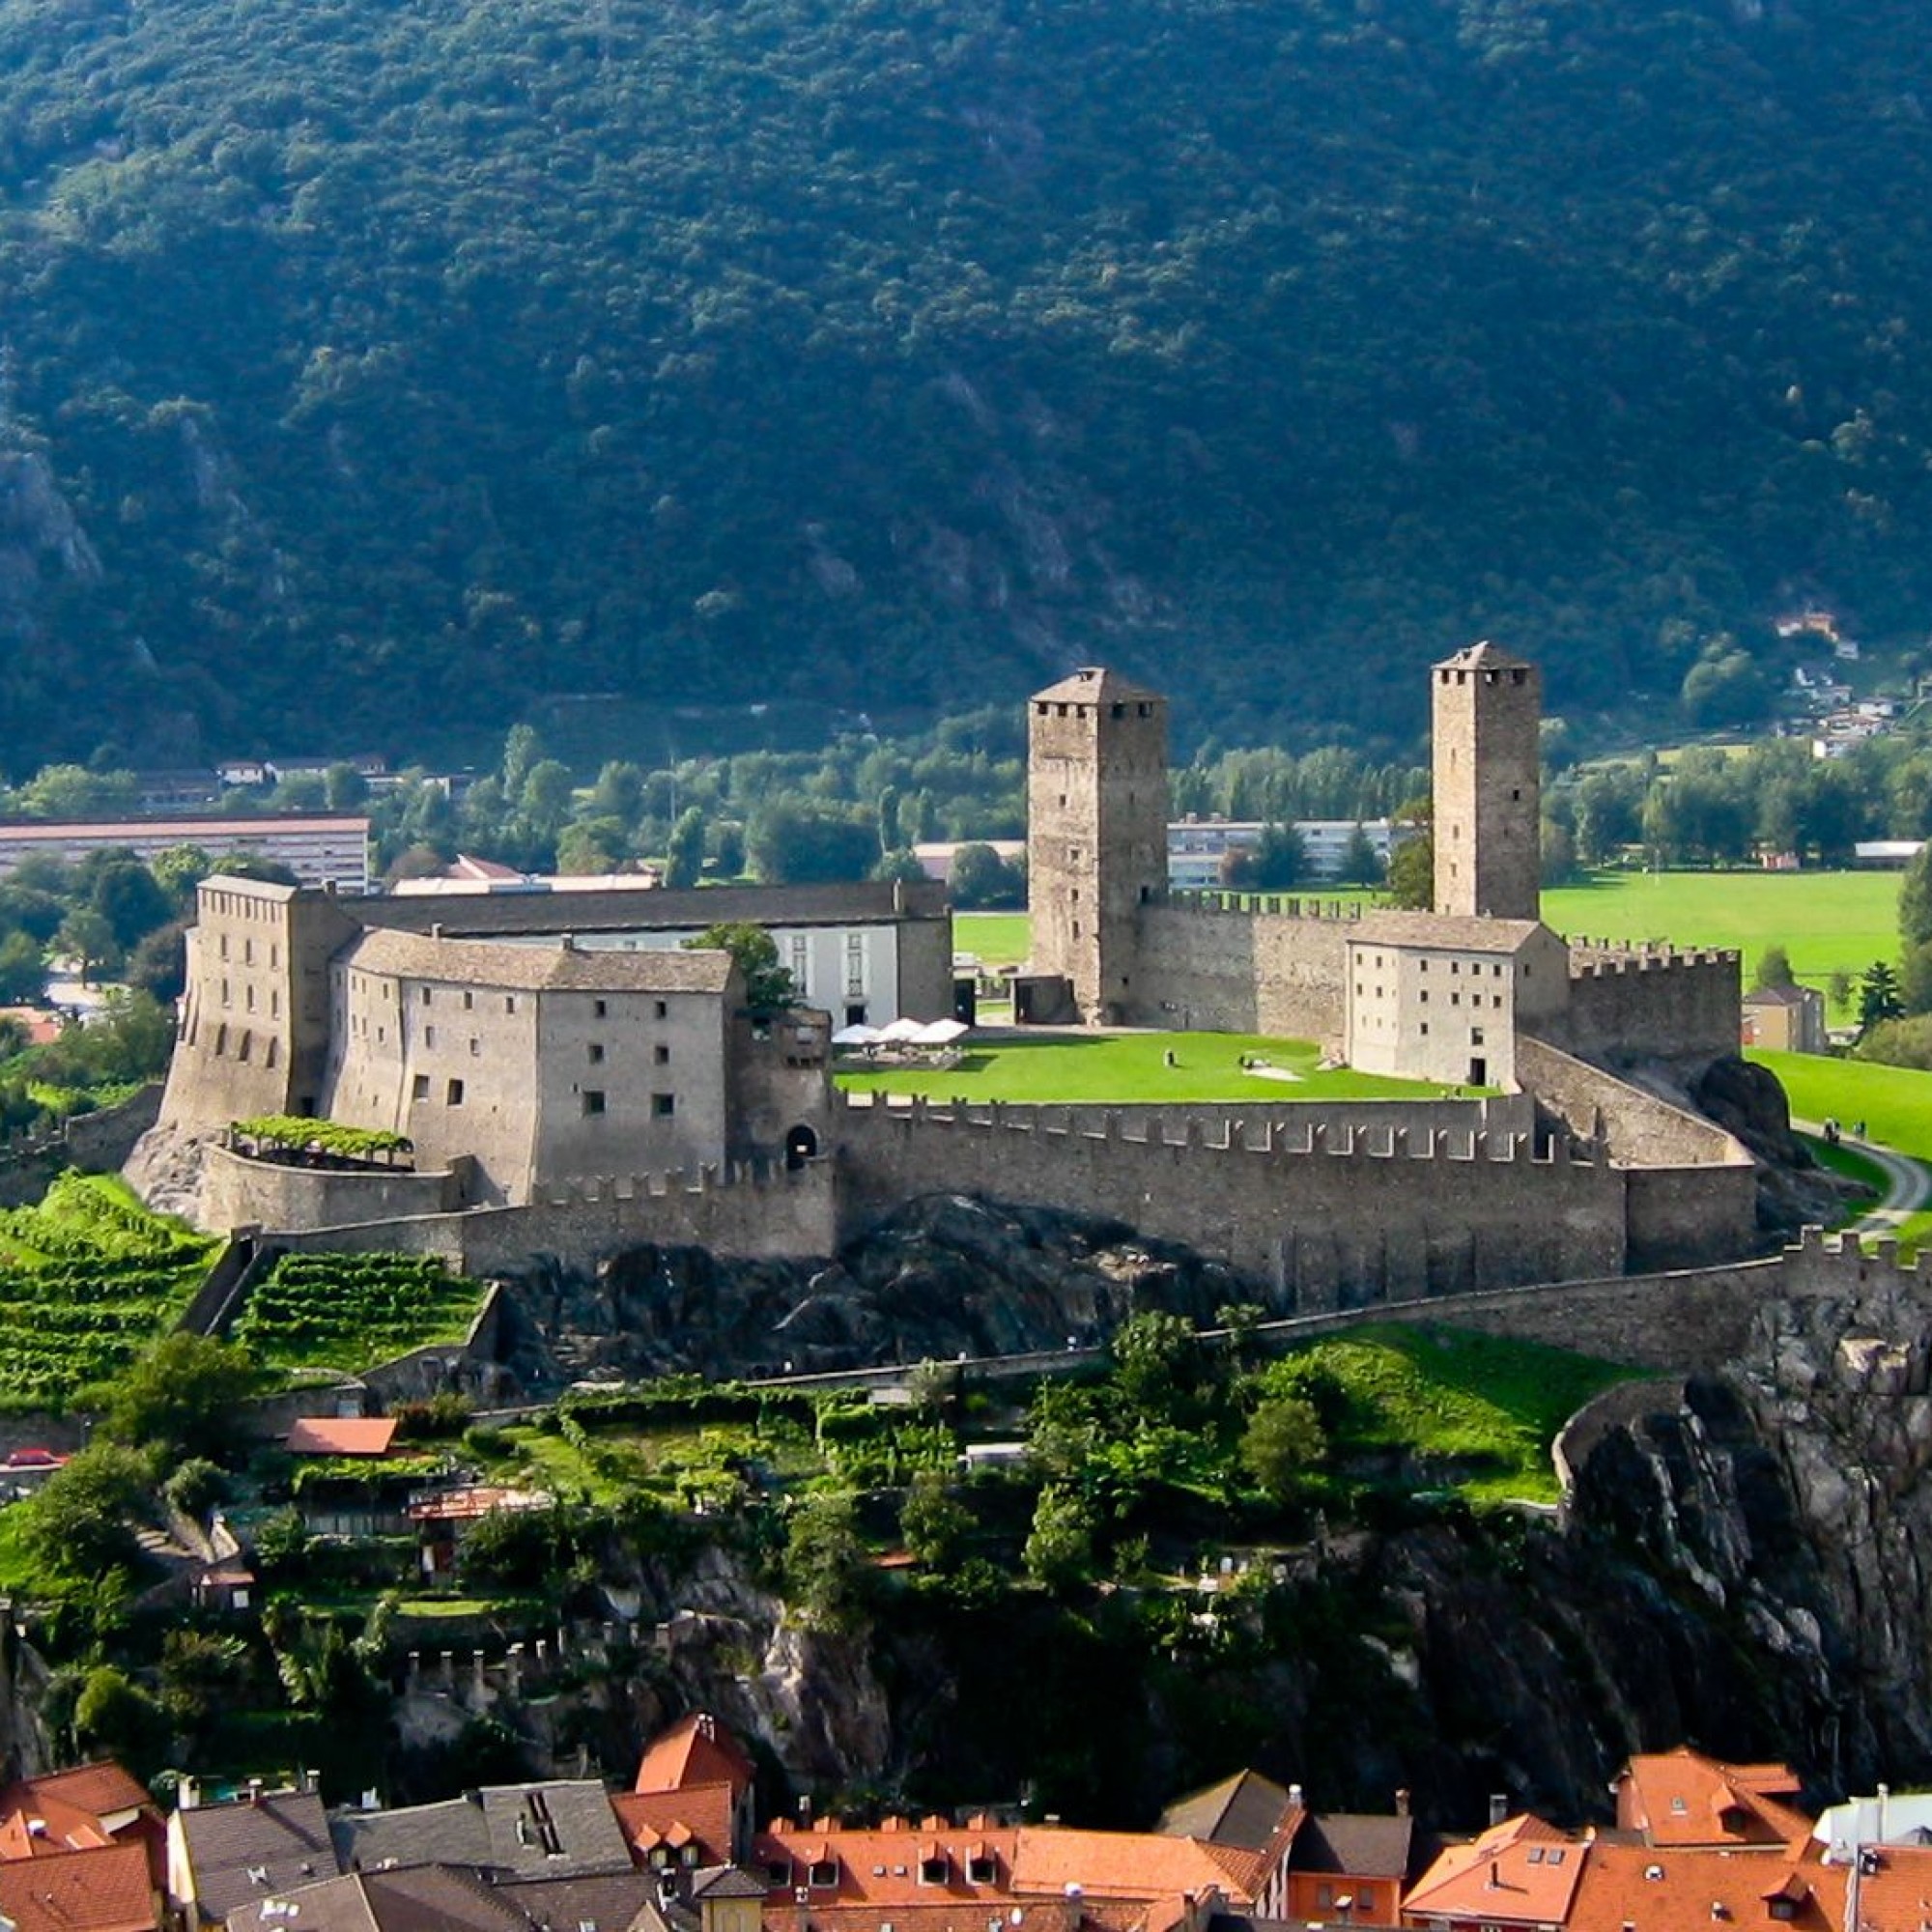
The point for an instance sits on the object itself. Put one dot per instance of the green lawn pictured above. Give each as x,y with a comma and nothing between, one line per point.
1056,1067
1895,1102
1483,1408
1853,1166
998,938
1827,921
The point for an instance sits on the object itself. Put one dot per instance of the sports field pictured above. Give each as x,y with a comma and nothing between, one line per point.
1827,921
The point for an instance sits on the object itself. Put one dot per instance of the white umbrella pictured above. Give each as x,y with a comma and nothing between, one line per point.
900,1032
943,1032
856,1035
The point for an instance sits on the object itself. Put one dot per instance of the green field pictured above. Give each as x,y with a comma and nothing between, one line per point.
1065,1066
1895,1102
1827,921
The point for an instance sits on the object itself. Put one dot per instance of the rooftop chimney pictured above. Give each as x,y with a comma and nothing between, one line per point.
1295,1794
1402,1801
1499,1806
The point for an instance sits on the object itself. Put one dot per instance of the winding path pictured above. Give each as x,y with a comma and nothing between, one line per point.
1908,1184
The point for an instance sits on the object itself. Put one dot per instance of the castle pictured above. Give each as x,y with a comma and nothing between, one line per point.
567,1097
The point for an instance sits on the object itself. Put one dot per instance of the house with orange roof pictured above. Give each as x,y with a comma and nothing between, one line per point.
88,1808
1681,1798
1521,1872
1647,1888
1170,1879
106,1889
693,1802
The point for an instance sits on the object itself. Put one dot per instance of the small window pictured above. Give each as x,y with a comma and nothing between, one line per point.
510,1003
429,1035
475,1047
593,1100
777,1871
662,1106
453,1094
419,1088
661,1055
595,1050
1423,996
601,1009
1425,1028
661,1010
425,996
982,1871
934,1871
469,1001
1475,1036
824,1872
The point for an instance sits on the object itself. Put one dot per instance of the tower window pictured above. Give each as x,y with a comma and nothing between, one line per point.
593,1100
594,1052
664,1105
453,1094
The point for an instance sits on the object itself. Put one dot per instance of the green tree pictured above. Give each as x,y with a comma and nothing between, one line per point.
1774,968
793,843
982,880
1361,864
1915,899
768,986
684,852
825,1569
23,970
933,1523
1282,1442
88,940
78,1524
1059,1550
127,896
184,1397
344,788
1155,1359
114,1718
178,870
1879,996
1411,874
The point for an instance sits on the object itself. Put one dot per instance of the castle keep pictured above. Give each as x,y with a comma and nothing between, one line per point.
572,1088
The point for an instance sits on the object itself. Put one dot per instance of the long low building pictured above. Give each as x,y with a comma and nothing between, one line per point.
331,851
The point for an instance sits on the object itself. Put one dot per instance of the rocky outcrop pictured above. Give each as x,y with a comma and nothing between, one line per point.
1793,1189
942,1276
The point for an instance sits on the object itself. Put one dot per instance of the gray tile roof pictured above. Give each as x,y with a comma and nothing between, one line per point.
1453,931
1363,1845
537,968
1245,1810
561,1827
451,1833
246,1850
608,1902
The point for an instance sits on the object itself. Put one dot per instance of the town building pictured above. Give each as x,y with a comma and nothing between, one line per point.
330,851
1785,1019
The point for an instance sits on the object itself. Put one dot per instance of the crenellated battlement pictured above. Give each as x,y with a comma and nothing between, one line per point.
1219,1133
1596,960
1252,905
603,1190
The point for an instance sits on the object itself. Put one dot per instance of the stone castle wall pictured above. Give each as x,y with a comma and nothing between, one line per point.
1356,1215
237,1191
750,1212
1652,1003
1202,963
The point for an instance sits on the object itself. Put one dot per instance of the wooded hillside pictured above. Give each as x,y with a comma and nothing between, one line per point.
369,362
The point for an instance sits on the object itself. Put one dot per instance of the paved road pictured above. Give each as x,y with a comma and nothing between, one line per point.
1908,1184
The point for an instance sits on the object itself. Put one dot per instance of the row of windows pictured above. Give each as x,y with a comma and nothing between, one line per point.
248,999
244,1046
822,1874
600,1008
593,1052
596,1101
248,951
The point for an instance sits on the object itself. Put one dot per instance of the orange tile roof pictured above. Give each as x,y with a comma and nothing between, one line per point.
697,1749
1128,1865
1710,1890
1682,1798
342,1436
108,1889
1894,1889
1522,1870
701,1812
102,1788
880,1866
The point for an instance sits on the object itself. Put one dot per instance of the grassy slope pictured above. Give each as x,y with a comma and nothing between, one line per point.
1895,1102
1062,1066
1487,1408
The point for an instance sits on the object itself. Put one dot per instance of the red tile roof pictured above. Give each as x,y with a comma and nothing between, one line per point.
1707,1890
342,1436
879,1867
1520,1871
1682,1798
1894,1885
697,1749
649,1819
1141,1865
108,1889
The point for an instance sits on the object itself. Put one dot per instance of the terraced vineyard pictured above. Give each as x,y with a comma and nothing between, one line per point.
353,1311
87,1279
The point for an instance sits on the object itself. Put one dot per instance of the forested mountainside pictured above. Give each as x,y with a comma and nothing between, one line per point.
372,360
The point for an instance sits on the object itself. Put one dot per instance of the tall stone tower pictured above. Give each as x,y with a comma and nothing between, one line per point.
1097,832
1488,819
